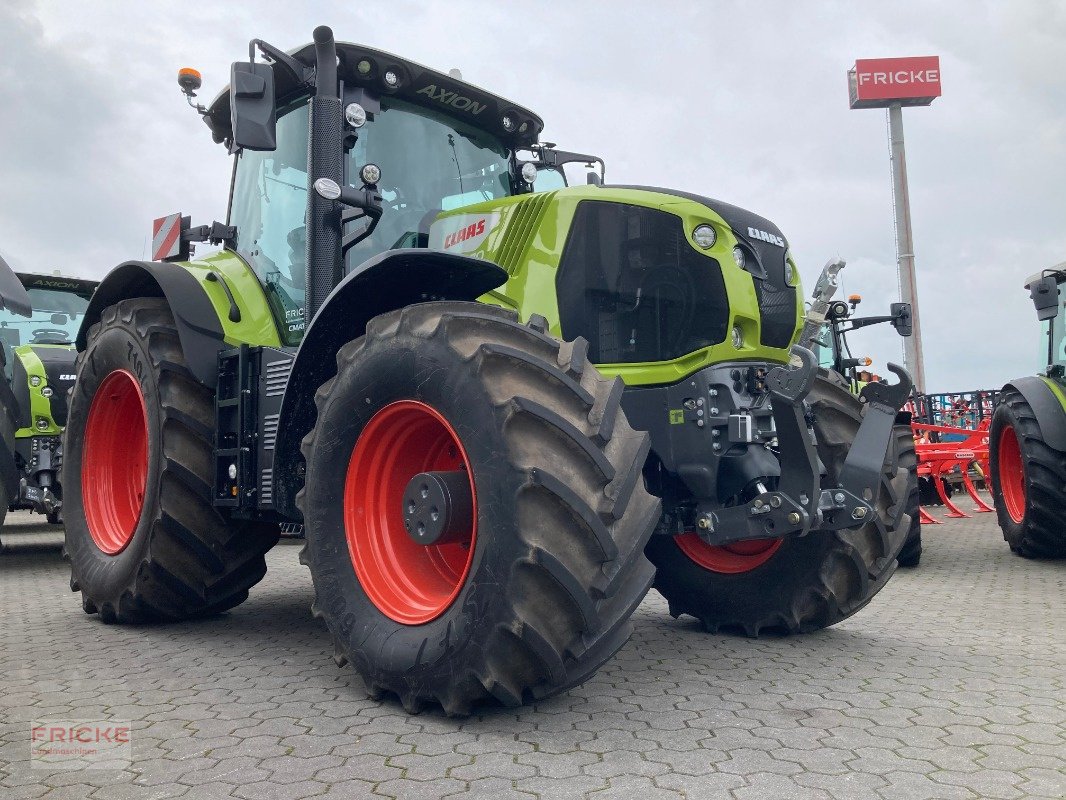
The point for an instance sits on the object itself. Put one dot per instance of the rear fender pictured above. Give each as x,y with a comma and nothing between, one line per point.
1048,406
199,328
389,281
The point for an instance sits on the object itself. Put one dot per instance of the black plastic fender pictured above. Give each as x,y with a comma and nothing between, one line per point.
197,321
1050,414
391,280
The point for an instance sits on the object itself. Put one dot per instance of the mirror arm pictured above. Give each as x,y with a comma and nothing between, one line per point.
300,74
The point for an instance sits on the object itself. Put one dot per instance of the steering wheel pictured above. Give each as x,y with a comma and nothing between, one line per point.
50,336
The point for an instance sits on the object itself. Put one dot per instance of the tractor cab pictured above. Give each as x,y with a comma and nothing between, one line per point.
425,141
1049,297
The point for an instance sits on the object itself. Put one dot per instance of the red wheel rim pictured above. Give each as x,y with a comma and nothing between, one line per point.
409,583
1012,474
114,463
731,559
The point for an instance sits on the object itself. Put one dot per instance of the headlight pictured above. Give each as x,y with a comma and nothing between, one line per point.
738,337
35,380
738,257
47,391
790,273
704,236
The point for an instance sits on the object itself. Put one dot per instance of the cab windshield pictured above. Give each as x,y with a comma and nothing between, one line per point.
429,163
55,320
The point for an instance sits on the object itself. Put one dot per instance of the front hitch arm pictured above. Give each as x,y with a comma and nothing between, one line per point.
861,474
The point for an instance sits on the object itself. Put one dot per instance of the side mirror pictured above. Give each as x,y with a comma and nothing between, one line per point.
13,295
1045,295
253,115
901,318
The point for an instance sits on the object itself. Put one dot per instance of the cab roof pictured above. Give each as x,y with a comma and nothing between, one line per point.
418,84
1059,271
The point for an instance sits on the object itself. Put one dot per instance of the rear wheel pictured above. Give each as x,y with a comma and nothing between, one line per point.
798,584
142,535
1028,481
474,509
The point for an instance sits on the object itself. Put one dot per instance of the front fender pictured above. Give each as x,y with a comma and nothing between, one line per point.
199,328
392,280
1048,406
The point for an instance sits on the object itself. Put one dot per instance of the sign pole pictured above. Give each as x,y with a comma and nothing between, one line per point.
893,83
912,345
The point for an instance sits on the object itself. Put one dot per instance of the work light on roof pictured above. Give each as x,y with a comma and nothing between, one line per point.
392,78
508,123
363,67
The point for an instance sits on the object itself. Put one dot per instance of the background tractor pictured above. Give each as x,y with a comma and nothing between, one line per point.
38,326
1027,439
479,511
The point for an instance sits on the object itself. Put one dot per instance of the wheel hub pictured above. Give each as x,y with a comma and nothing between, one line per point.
438,507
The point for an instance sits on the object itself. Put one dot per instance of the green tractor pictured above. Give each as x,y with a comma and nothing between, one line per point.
1027,439
39,320
406,349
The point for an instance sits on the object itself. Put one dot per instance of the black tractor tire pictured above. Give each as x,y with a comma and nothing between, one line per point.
1028,484
813,581
911,554
557,563
183,559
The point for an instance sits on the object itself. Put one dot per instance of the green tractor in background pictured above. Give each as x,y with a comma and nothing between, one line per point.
1027,439
408,350
39,320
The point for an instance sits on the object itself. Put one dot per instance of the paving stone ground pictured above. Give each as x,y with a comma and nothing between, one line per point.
950,684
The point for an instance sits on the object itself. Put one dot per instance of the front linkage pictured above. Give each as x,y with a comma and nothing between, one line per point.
799,504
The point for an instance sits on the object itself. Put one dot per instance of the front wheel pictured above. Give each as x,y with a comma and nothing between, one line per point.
474,511
797,584
1028,481
143,538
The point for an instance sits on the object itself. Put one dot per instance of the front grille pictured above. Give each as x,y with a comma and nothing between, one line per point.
633,286
777,304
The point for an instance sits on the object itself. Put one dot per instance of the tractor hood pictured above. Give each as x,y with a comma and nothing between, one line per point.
364,68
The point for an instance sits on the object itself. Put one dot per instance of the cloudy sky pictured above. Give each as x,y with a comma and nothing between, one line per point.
746,102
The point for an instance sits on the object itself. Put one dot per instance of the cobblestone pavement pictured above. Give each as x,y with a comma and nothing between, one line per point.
949,685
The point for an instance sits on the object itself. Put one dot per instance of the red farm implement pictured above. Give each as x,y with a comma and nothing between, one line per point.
951,439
